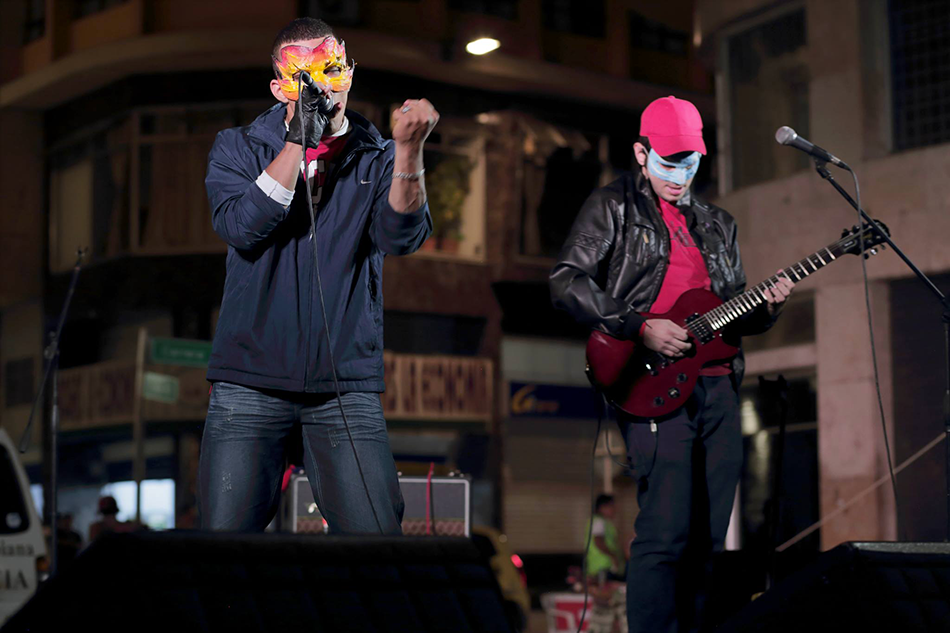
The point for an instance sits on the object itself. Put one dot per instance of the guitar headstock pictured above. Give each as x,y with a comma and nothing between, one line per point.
850,242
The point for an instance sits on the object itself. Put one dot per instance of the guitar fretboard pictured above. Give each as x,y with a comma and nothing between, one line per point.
719,317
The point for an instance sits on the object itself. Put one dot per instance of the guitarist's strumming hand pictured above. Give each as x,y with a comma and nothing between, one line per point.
665,337
777,295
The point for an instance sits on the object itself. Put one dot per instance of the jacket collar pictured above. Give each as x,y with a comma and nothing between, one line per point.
269,129
684,204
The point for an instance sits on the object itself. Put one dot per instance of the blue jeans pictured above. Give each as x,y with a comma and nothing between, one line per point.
687,472
246,436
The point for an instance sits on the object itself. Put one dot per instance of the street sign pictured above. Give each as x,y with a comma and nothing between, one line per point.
160,387
180,351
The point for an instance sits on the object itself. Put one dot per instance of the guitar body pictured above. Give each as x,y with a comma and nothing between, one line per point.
643,383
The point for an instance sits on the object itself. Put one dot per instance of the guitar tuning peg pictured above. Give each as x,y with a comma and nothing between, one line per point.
844,232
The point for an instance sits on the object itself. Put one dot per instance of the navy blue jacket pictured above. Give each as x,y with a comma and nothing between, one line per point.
270,332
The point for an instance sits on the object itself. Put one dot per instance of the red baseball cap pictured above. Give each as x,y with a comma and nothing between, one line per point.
673,125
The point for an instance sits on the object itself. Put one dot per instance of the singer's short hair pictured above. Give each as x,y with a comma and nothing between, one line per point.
297,31
602,500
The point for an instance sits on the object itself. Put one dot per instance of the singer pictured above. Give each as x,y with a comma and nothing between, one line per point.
271,369
636,246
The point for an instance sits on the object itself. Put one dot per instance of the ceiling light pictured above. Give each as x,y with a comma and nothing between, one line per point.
482,45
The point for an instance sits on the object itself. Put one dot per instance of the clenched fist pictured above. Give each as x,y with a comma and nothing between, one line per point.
413,121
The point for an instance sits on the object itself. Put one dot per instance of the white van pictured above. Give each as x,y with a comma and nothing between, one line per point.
22,546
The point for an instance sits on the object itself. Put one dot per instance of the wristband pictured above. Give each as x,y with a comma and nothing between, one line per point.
409,176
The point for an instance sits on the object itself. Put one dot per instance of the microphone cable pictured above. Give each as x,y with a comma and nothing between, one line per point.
323,305
877,379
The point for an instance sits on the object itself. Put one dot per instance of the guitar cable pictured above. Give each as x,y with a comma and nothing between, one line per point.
590,523
877,378
323,307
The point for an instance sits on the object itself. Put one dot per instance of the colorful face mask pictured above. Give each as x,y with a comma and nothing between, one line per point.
327,64
678,173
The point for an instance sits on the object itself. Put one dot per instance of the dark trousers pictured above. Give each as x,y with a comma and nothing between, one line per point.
246,437
687,471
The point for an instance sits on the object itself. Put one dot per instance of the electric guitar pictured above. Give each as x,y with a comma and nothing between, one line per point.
648,384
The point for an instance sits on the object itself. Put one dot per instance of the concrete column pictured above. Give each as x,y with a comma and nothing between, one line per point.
851,450
835,97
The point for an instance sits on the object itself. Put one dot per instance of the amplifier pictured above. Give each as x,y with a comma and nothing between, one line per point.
450,501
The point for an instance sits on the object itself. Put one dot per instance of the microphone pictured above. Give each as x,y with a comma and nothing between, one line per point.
326,104
787,136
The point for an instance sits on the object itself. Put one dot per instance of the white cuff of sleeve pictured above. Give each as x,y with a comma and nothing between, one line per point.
274,190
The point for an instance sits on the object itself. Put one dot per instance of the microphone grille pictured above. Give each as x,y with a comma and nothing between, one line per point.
785,135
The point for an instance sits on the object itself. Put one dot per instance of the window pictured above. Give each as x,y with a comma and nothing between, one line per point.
796,327
561,168
505,9
651,35
35,25
18,382
920,72
83,8
158,501
455,185
336,12
799,502
14,517
153,160
89,203
172,147
578,18
767,84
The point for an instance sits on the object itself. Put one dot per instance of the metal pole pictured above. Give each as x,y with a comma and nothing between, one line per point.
946,411
54,467
138,426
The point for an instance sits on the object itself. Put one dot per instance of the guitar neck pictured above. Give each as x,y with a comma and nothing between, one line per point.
753,297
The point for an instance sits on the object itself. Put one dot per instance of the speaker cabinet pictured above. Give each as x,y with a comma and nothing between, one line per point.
894,587
181,581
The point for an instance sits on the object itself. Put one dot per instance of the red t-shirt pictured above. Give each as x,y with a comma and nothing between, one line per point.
318,161
687,270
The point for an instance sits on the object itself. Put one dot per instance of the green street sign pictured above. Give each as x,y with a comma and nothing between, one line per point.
160,387
180,351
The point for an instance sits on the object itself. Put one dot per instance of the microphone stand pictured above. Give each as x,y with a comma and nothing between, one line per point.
51,354
821,168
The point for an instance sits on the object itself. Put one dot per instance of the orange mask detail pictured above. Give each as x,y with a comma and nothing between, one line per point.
326,63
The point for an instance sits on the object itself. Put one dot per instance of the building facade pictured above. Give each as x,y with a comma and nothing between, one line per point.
109,108
866,80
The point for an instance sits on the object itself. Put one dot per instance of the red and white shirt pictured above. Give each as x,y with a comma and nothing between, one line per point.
686,271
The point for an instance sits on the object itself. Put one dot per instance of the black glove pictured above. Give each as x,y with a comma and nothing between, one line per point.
313,110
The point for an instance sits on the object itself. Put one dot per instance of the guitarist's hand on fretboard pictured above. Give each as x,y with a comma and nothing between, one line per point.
665,337
777,295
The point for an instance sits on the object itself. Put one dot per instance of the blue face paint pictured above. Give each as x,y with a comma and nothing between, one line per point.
678,173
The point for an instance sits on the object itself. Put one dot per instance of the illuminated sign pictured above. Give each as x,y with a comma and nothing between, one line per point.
552,401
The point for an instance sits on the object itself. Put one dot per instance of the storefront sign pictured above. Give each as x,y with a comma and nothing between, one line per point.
160,387
552,401
103,394
446,388
97,395
437,388
179,351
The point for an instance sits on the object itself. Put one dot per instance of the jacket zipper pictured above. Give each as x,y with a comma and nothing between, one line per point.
346,161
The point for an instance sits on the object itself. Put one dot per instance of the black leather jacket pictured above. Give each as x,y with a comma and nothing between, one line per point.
616,256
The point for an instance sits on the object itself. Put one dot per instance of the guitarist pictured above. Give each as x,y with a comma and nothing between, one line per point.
635,247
